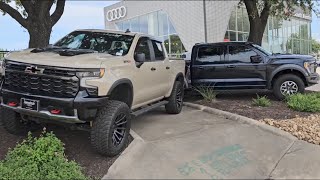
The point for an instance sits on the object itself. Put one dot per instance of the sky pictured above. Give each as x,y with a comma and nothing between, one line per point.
77,15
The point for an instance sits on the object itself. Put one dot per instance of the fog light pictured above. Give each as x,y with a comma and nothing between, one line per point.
55,111
12,104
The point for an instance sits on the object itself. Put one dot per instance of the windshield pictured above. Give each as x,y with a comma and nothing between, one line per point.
114,44
262,50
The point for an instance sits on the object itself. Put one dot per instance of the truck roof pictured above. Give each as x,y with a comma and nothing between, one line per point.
108,31
120,32
225,43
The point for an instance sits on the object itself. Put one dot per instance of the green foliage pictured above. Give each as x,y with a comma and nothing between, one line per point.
262,101
315,46
207,93
304,102
39,158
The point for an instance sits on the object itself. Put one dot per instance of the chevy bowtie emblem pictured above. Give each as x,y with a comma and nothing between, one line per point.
34,70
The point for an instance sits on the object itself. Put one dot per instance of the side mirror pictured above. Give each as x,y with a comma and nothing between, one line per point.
140,57
256,59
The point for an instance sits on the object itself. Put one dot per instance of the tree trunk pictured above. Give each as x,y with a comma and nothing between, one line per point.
39,38
257,28
39,34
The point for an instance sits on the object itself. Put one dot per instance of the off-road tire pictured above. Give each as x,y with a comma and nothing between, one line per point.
174,106
103,128
287,77
14,124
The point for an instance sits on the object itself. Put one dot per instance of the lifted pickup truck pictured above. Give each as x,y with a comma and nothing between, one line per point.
96,78
242,65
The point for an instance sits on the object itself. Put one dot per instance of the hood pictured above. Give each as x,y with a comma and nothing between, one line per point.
91,60
291,57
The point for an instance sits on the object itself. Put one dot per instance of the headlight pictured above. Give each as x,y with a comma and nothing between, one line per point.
309,66
95,73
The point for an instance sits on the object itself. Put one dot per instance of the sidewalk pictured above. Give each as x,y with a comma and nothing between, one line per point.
199,145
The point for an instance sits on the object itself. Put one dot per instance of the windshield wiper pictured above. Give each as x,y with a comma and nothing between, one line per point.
49,48
74,52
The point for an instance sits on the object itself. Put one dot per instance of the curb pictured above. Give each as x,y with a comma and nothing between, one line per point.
242,119
125,157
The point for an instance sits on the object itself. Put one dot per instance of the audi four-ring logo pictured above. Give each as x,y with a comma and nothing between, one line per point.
117,13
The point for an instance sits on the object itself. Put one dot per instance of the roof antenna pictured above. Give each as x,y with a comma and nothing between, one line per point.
128,31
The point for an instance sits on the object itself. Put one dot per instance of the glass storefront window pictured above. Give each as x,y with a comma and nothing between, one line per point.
280,36
163,23
153,24
232,22
143,21
176,45
135,27
126,25
233,36
159,25
172,30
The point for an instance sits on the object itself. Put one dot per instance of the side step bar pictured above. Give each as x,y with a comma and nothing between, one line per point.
148,108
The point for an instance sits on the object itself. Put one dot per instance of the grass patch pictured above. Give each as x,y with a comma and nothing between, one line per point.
304,102
207,93
262,101
39,158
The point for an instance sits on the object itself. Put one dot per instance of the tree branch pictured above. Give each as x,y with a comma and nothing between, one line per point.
58,12
266,11
252,10
27,4
14,14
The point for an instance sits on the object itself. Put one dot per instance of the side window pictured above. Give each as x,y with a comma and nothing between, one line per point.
210,55
240,54
143,47
158,50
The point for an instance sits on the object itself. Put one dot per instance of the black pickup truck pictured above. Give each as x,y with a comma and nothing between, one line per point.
243,65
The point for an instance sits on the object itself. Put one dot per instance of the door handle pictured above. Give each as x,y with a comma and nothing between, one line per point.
153,69
167,67
231,66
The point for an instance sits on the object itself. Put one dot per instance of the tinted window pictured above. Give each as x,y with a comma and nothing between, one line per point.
143,47
209,55
158,50
240,54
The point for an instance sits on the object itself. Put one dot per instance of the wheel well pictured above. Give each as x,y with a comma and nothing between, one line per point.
180,78
289,71
123,92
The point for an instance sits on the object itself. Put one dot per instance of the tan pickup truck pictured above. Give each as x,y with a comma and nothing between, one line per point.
96,79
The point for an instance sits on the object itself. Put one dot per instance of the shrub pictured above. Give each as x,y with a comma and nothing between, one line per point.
207,93
304,102
262,101
39,158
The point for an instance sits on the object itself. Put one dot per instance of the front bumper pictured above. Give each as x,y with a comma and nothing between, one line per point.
313,79
80,109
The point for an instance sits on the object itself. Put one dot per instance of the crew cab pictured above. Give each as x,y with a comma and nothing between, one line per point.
243,65
91,78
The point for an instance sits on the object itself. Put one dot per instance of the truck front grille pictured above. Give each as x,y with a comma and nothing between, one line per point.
49,81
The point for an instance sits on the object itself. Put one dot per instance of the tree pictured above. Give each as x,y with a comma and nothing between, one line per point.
260,10
35,16
315,46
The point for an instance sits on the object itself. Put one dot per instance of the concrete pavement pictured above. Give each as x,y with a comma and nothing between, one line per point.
199,145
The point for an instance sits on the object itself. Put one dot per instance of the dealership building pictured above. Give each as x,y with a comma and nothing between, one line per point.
181,24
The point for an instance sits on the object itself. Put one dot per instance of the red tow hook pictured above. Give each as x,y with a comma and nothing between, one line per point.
12,104
55,111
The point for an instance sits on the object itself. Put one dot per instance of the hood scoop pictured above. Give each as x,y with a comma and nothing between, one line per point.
74,52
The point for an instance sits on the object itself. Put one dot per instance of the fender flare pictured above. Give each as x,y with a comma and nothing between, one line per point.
287,67
119,82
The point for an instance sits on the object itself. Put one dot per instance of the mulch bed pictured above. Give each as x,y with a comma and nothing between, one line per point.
77,147
240,102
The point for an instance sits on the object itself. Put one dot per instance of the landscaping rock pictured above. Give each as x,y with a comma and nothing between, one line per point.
304,128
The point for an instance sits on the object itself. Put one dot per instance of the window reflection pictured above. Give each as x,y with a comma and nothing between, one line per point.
157,24
280,36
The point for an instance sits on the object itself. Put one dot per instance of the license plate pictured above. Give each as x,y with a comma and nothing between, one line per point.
30,104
